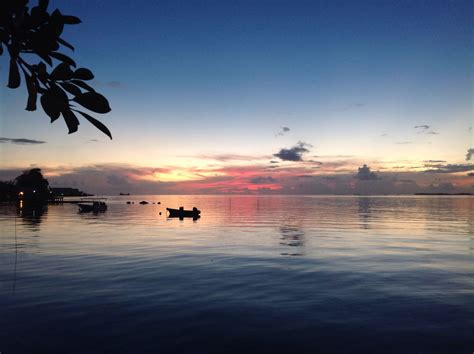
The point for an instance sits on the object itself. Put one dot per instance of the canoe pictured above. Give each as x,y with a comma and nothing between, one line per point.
181,213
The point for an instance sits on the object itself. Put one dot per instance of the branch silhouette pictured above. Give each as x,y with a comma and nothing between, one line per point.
25,33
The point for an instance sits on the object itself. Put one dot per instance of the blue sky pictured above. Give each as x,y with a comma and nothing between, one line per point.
193,78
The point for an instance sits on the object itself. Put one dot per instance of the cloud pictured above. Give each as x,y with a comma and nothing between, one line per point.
353,105
422,127
469,154
364,174
115,84
425,129
21,141
403,142
385,134
295,153
283,131
232,157
263,180
439,168
434,161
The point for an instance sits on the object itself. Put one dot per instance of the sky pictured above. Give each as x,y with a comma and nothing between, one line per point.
291,97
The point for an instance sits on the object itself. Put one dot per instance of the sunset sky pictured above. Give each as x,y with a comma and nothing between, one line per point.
260,97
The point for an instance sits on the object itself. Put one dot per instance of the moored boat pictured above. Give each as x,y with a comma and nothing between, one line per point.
182,213
95,207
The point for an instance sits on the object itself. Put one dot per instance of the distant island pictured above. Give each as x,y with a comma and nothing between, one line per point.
124,193
443,194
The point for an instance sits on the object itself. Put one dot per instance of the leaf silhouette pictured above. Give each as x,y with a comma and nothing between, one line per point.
97,124
64,43
72,89
32,93
83,85
27,32
71,120
14,75
63,58
83,74
62,72
93,101
71,20
43,4
50,106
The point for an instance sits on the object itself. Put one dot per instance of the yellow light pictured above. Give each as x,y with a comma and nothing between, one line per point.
21,193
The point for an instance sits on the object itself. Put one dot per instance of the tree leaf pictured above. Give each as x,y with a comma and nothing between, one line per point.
64,43
45,57
97,124
83,85
62,72
71,20
43,4
83,74
72,89
14,75
32,93
63,58
71,120
93,101
50,106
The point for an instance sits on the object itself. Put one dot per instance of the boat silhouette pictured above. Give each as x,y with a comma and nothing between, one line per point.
182,213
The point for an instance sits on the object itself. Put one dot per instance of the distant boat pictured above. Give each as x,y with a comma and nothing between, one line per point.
124,193
95,207
181,213
143,202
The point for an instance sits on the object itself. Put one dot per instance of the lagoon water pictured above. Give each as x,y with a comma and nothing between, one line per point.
276,274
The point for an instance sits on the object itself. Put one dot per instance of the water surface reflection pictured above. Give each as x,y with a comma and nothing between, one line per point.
368,270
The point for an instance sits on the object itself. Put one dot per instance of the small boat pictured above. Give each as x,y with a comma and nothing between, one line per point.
143,202
95,207
181,213
124,193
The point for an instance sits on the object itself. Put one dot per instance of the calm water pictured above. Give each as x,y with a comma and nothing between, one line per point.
266,274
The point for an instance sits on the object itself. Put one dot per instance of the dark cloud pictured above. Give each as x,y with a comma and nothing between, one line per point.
316,162
283,131
295,153
422,127
469,154
425,129
118,180
364,174
273,161
263,180
439,168
21,141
